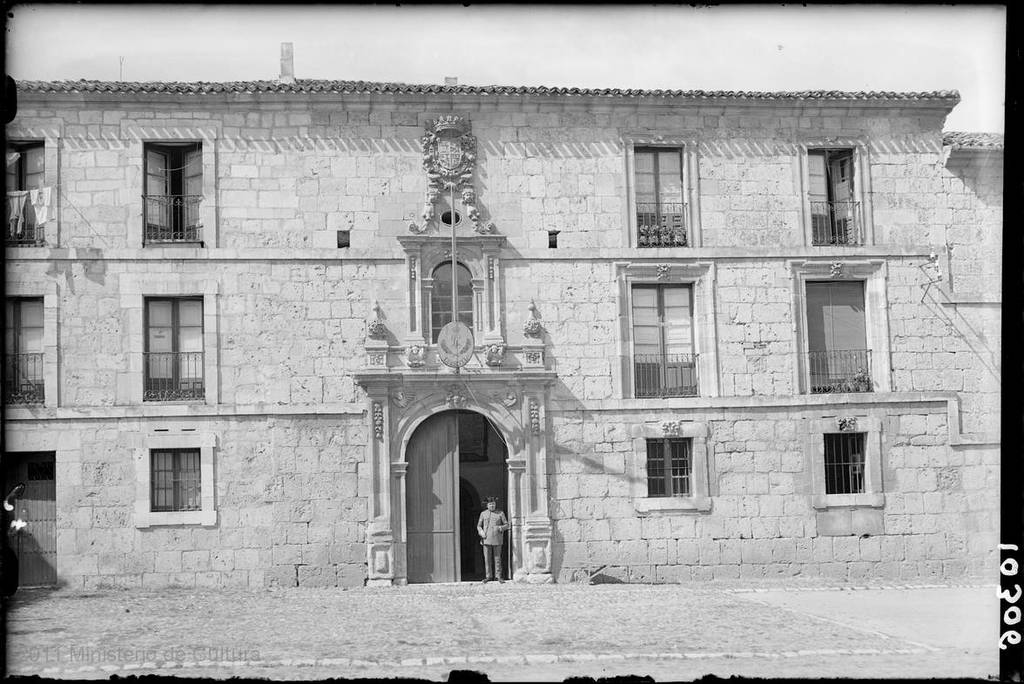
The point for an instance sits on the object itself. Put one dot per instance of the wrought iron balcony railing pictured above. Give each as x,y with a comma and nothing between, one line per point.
836,223
172,218
839,371
22,230
173,376
668,375
661,225
23,379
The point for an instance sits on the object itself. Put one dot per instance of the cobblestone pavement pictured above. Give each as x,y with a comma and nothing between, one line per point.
510,631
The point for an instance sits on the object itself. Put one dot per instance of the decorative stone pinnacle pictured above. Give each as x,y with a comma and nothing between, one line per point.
376,329
533,327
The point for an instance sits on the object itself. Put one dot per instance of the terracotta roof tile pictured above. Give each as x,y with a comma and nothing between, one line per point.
369,87
974,141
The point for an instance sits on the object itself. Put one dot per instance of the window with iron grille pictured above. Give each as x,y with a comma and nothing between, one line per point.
664,364
173,191
23,351
669,467
25,172
660,198
174,349
175,478
844,463
441,297
835,211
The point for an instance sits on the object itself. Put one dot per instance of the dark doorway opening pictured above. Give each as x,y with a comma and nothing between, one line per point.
36,543
482,473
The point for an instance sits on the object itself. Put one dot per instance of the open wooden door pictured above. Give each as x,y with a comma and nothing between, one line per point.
36,544
432,502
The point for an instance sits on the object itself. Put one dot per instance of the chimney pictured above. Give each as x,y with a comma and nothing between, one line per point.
451,80
287,64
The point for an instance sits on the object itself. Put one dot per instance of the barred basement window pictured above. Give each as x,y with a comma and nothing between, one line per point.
844,463
175,480
669,467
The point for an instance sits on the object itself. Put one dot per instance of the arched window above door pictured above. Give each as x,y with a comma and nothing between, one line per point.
441,297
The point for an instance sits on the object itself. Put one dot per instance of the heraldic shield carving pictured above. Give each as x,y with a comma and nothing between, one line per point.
449,159
449,153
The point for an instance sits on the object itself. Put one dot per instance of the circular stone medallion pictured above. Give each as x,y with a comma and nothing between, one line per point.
455,344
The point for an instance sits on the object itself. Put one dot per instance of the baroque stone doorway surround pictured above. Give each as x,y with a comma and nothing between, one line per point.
514,401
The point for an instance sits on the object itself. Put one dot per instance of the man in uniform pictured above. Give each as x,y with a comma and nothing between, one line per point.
491,528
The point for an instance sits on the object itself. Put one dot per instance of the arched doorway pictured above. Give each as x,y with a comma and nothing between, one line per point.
456,460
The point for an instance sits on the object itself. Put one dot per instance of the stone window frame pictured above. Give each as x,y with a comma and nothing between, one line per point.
181,438
700,497
874,274
140,136
861,185
478,253
134,292
814,452
49,134
699,275
688,147
47,291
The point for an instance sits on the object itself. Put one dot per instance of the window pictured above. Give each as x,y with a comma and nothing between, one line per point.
23,347
664,364
844,463
441,298
835,211
175,477
838,359
172,192
660,203
27,200
669,467
844,457
174,349
667,470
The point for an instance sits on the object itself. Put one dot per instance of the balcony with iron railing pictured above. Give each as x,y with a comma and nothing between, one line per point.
173,376
22,229
839,371
23,379
665,375
661,225
836,223
172,218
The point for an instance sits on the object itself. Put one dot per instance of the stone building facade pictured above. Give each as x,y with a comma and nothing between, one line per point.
234,293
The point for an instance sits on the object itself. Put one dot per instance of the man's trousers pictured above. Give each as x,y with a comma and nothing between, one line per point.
492,558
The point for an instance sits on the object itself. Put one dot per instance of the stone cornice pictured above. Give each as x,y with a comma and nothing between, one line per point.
707,408
397,255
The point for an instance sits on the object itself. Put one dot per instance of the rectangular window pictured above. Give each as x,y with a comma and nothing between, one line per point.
838,358
844,463
663,360
174,349
835,211
660,197
669,467
27,201
23,351
173,191
175,478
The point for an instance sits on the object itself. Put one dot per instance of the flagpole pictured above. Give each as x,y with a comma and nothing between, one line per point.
455,304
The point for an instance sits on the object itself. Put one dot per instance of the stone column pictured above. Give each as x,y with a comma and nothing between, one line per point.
537,523
398,545
380,555
516,470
